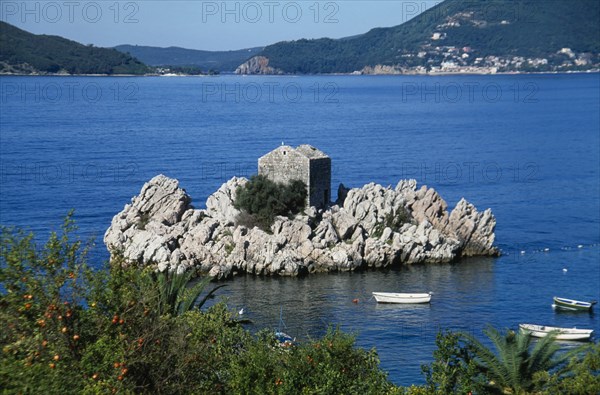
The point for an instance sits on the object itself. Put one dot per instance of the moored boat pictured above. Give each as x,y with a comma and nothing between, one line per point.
283,339
394,297
561,333
573,305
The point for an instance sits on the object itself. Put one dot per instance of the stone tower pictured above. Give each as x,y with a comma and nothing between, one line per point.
305,163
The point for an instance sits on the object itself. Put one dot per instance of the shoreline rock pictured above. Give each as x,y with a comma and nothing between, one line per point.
373,227
257,65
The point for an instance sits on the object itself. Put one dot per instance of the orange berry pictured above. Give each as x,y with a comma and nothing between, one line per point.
56,357
95,376
27,306
44,343
121,321
124,371
75,337
120,378
116,365
52,365
64,329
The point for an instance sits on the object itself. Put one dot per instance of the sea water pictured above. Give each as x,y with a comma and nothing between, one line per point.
526,146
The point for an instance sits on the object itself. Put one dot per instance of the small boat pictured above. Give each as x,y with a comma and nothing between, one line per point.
283,339
391,297
561,333
573,305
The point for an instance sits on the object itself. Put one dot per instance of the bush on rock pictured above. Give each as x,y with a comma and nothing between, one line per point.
261,200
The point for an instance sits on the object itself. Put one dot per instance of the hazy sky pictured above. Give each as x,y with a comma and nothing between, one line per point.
210,25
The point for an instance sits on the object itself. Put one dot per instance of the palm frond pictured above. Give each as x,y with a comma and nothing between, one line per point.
541,357
487,362
175,297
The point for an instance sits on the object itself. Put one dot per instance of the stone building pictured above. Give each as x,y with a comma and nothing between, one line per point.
305,163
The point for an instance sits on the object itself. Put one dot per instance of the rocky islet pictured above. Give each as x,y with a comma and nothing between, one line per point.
161,227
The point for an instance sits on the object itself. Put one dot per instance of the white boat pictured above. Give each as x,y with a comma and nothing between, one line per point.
573,305
392,297
561,333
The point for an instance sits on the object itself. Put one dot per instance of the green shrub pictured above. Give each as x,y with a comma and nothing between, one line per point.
393,220
69,329
452,371
261,200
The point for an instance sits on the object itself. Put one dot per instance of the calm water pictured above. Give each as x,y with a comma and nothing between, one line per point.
526,146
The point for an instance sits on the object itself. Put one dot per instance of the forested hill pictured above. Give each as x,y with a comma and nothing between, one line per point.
504,34
22,52
175,56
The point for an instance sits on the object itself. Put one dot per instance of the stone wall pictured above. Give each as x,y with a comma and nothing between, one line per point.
285,164
320,182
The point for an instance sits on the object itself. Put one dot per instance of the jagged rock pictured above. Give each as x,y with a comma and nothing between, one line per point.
379,254
371,205
344,224
474,228
364,231
160,200
294,232
342,194
219,205
325,234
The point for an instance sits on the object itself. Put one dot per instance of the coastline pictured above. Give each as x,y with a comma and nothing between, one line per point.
436,74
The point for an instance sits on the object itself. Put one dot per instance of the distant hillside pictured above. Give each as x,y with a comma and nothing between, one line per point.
175,56
502,35
26,53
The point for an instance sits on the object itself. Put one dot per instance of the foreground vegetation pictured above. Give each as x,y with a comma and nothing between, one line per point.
70,329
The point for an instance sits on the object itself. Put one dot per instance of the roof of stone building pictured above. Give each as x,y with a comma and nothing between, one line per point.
311,152
305,150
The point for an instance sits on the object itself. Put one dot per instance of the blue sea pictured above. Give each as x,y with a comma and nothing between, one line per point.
526,146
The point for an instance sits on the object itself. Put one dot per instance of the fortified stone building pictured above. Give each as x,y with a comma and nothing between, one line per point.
285,164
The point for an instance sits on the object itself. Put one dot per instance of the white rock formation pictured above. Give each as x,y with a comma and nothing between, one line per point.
160,227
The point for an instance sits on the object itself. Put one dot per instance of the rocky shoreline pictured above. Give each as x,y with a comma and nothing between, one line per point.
370,227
